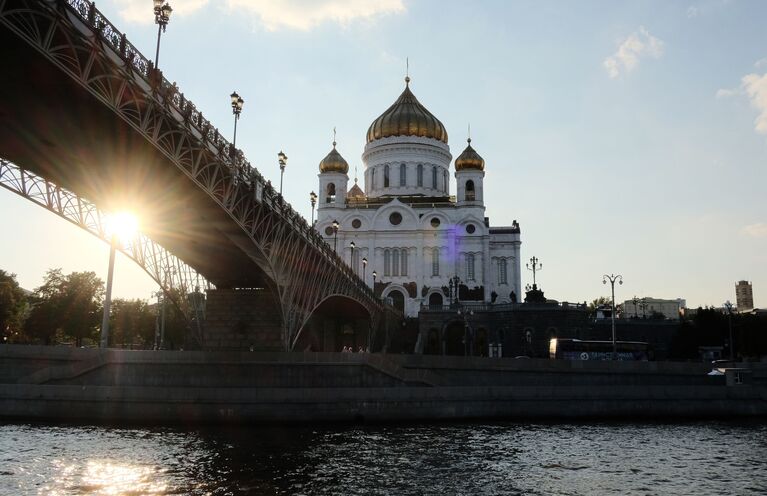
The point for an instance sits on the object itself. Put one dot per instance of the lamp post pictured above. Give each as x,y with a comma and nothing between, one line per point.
635,300
534,267
375,274
728,306
454,282
351,257
237,103
162,12
612,278
283,160
364,266
108,297
467,350
313,201
335,236
643,306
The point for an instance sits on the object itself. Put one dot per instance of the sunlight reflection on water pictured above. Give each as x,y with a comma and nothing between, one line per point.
440,459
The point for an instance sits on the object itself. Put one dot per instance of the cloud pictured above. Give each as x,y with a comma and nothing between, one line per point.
306,14
692,11
761,63
758,230
726,93
140,11
755,87
272,14
638,45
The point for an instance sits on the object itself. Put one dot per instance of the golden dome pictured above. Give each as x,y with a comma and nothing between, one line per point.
407,117
469,159
334,162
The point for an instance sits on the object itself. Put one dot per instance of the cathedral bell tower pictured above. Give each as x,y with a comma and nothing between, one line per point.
334,179
469,177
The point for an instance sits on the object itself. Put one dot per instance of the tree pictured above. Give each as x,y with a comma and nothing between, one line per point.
13,303
69,305
131,322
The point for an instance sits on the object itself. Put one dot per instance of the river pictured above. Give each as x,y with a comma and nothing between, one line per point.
701,458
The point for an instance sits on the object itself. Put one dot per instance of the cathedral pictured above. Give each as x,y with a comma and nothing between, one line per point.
403,232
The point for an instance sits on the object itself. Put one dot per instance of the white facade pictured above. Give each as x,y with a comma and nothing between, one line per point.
414,235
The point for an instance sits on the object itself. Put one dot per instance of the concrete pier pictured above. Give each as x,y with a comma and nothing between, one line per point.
57,383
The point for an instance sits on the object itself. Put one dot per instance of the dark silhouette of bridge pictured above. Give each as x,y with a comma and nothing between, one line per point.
85,116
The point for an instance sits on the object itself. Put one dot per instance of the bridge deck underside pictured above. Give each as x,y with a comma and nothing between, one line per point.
52,126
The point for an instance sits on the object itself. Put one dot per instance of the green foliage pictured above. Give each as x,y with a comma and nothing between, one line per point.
592,308
69,305
132,324
13,305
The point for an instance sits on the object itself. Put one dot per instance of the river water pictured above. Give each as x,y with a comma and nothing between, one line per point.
707,458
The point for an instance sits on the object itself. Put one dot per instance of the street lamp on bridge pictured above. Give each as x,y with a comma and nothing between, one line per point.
352,246
612,278
335,235
162,11
364,266
375,274
283,160
313,201
237,103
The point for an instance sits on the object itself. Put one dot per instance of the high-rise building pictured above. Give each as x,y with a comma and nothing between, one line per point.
744,296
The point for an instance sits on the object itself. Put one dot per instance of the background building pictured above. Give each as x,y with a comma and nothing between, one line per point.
649,307
744,296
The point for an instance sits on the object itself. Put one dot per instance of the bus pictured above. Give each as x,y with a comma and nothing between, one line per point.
576,349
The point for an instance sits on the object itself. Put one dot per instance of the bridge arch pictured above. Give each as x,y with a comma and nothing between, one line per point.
336,322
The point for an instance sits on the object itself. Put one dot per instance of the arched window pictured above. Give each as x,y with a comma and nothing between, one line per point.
372,179
386,176
434,177
470,267
403,262
387,262
447,182
356,261
398,300
402,175
395,262
419,179
435,262
502,271
331,193
470,194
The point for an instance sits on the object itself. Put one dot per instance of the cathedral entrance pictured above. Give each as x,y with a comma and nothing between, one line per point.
455,339
398,300
435,300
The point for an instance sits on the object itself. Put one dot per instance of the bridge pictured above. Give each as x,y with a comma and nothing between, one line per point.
88,125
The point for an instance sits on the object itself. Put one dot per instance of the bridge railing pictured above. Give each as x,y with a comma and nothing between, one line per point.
241,171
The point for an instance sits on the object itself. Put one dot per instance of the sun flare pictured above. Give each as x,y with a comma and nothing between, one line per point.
124,225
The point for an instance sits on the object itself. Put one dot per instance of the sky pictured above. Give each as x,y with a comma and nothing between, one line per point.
626,137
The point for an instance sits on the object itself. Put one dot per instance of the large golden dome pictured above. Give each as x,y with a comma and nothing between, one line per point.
407,117
469,159
334,162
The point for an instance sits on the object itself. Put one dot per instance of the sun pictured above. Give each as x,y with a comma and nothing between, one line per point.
123,225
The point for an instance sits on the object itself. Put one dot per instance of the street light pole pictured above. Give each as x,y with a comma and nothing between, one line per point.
283,160
237,103
728,306
635,300
534,267
161,18
108,297
364,266
335,236
351,257
612,278
375,274
313,200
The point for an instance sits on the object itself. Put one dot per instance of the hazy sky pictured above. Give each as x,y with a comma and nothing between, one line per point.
625,137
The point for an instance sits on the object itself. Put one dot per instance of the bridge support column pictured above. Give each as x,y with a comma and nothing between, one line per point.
242,320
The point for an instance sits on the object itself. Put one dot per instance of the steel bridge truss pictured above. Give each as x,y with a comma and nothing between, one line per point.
176,278
304,271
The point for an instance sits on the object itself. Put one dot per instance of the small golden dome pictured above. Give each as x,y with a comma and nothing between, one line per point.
334,162
407,117
469,159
